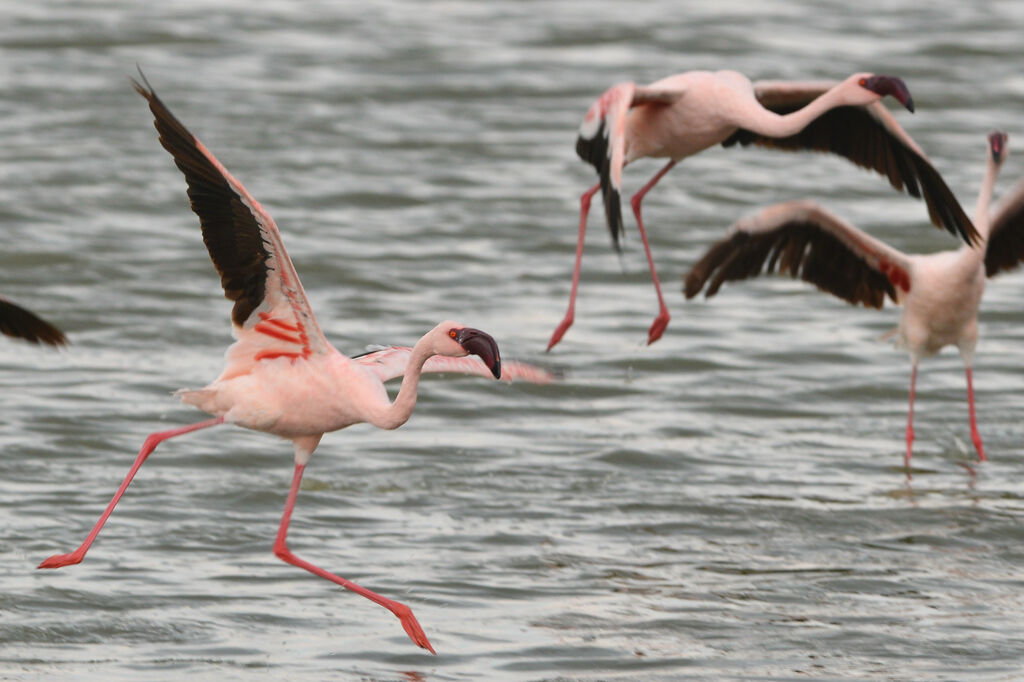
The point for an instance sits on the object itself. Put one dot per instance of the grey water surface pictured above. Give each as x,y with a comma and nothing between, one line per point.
728,503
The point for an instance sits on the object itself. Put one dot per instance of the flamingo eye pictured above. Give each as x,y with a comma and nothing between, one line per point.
862,82
451,333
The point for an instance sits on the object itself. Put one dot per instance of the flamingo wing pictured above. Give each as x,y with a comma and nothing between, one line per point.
1005,248
806,241
24,324
602,142
271,317
871,138
390,363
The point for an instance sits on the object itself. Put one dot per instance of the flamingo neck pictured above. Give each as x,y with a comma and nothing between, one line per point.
398,412
766,122
981,220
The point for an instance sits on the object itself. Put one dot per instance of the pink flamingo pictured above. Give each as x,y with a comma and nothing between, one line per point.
21,323
684,114
282,376
940,292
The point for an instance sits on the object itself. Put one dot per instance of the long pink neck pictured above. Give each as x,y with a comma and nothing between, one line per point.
766,122
397,413
981,221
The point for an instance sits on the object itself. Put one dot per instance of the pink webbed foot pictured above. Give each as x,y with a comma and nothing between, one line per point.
59,560
658,327
412,628
560,330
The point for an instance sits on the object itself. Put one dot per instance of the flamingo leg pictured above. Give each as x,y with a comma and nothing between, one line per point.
154,439
661,321
975,435
910,418
404,613
567,321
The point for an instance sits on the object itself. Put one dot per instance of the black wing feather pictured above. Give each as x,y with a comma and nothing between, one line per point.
1005,248
230,230
854,133
594,150
23,324
801,249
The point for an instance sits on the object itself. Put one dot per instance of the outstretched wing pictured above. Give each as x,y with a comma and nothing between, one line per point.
24,324
871,138
271,317
602,142
1005,248
390,363
806,241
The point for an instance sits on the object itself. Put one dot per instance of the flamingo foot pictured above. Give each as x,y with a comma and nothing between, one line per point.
59,560
560,330
413,629
658,327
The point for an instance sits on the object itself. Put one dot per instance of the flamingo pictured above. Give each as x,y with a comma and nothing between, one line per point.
684,114
281,375
21,323
940,292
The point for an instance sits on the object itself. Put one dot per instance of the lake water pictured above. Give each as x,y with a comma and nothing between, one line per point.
729,503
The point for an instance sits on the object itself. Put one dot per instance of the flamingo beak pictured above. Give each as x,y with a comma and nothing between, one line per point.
891,85
997,145
476,342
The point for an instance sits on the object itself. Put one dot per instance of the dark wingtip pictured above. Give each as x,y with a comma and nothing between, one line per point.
594,150
21,323
613,214
144,90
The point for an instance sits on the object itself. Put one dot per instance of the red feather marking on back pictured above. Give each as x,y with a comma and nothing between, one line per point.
272,354
283,325
263,328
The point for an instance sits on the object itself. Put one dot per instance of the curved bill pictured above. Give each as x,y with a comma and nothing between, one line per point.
482,344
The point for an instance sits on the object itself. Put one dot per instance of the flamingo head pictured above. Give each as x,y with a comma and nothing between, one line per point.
459,341
886,85
998,146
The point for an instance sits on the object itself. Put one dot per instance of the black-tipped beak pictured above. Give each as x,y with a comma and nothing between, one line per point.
891,85
997,145
482,344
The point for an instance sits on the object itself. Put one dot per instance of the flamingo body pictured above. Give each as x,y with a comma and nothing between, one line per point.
684,114
941,308
293,398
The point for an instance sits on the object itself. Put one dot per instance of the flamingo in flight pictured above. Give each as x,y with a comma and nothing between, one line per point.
282,376
940,292
21,323
684,114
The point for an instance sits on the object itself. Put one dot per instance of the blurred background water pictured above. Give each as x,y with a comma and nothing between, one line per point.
728,503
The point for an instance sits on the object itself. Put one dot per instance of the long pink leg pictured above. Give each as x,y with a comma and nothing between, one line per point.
154,439
975,436
566,322
661,321
910,417
404,613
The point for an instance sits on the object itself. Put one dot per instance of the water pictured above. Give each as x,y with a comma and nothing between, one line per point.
728,503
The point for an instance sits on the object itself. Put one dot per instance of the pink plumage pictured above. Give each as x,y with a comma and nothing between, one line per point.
281,375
